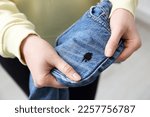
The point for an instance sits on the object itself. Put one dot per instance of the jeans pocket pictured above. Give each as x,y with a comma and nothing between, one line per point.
100,13
83,44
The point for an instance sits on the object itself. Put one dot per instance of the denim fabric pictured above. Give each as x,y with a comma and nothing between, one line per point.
82,46
47,93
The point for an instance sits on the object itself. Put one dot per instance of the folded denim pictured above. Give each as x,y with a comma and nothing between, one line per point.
83,44
47,93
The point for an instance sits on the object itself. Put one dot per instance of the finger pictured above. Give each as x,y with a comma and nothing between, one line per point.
112,43
48,81
51,81
125,54
67,70
130,47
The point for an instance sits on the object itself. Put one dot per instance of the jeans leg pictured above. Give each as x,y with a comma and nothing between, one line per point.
84,93
22,79
47,93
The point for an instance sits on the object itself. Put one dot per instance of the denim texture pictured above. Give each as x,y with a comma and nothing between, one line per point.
47,93
82,46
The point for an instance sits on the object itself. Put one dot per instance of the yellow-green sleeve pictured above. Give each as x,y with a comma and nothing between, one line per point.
129,5
14,27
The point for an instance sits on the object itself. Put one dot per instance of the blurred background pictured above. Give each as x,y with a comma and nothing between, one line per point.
128,80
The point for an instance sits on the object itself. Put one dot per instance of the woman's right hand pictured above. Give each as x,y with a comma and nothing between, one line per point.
41,58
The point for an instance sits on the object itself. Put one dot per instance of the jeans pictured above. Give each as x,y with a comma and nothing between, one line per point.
47,93
82,46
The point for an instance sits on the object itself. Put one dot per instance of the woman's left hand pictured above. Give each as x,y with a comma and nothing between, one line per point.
123,26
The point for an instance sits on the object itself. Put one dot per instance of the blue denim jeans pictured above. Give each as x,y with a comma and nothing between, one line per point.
47,93
82,46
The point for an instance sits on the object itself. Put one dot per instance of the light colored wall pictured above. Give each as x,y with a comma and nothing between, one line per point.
143,11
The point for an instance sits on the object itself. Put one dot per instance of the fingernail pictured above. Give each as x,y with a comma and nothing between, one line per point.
76,77
109,52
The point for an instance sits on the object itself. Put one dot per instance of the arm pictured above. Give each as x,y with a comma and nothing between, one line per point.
14,27
129,5
18,38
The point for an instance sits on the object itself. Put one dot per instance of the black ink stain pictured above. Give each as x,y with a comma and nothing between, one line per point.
87,57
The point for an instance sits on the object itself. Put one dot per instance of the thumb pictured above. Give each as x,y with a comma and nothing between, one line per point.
66,69
112,44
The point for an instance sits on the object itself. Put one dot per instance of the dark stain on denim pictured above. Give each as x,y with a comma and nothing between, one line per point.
87,57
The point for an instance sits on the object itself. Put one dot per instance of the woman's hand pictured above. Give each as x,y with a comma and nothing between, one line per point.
123,26
41,58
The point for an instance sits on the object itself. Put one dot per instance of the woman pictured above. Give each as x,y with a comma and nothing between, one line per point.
51,17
